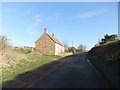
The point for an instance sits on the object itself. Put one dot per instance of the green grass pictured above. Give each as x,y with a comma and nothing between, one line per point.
24,65
21,51
108,68
57,56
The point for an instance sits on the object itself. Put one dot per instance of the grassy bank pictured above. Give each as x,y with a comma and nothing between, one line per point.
29,63
109,69
21,51
109,51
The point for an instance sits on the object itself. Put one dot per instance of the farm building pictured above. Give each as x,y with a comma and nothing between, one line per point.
48,44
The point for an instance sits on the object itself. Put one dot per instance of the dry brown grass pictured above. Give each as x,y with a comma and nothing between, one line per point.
7,56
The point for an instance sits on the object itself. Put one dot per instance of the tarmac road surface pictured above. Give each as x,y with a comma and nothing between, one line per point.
75,73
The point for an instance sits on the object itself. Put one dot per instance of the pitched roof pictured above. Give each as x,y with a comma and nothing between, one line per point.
55,40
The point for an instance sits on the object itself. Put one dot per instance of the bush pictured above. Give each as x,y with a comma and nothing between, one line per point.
3,42
72,49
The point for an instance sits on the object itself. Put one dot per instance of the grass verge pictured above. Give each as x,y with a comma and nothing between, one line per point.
21,51
107,68
30,63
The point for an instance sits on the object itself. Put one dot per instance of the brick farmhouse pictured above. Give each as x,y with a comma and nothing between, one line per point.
48,44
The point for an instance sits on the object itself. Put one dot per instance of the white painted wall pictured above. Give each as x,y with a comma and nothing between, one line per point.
63,49
58,49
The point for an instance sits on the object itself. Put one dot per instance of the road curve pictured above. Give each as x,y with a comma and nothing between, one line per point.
75,73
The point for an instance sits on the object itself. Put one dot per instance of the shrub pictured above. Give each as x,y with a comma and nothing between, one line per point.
3,42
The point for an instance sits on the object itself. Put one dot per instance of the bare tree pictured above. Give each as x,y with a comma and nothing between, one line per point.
3,42
72,49
81,48
65,43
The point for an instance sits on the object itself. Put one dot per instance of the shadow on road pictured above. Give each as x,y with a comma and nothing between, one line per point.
72,71
27,79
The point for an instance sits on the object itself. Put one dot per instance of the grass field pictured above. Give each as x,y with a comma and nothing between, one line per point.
107,68
29,63
21,51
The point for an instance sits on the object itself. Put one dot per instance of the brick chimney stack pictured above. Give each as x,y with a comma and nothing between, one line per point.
45,30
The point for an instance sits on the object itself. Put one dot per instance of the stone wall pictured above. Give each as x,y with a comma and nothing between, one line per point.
45,45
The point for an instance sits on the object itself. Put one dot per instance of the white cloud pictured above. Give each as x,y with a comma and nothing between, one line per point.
31,30
18,42
32,33
90,14
37,18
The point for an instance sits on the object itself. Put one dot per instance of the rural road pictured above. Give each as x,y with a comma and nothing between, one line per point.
68,72
75,73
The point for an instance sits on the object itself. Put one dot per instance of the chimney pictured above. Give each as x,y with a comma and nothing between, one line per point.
53,34
45,30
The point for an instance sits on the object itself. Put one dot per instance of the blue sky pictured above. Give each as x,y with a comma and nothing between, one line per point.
81,22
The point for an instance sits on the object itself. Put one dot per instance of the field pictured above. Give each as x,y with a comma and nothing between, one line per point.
27,63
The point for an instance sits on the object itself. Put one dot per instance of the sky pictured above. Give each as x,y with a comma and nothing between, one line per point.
72,22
